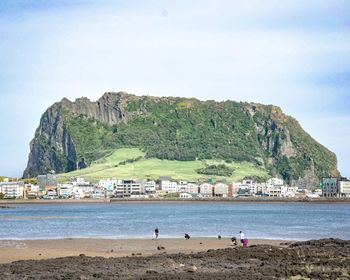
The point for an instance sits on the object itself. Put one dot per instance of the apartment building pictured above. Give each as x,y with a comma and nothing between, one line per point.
335,187
31,191
150,187
206,190
65,190
12,189
192,188
169,186
221,190
127,188
330,187
344,188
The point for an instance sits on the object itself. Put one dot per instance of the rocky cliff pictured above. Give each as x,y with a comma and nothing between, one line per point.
71,135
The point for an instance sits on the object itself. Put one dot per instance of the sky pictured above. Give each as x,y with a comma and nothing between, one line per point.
294,54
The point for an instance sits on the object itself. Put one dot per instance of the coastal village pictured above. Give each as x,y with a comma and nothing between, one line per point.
48,187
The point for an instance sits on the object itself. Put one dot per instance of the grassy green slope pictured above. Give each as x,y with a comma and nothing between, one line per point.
151,168
191,131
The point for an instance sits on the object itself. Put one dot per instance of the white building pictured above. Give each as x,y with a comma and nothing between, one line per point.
182,186
150,187
275,182
98,193
243,187
192,188
248,182
82,188
185,195
206,190
274,191
32,191
344,188
51,193
276,188
109,186
136,189
12,189
127,188
81,181
65,190
262,188
221,189
81,191
169,186
291,191
253,188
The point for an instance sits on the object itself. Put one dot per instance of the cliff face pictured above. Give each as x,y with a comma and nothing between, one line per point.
73,134
52,147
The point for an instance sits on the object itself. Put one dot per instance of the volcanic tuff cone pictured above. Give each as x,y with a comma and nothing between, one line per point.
72,135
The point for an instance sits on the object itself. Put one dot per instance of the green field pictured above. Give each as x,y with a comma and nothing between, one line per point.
151,168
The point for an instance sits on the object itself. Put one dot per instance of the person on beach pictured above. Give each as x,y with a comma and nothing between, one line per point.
234,241
156,232
244,240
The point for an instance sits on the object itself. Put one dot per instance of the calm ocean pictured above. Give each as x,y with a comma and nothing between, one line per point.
296,221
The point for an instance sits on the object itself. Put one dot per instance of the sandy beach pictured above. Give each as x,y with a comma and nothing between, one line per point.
13,250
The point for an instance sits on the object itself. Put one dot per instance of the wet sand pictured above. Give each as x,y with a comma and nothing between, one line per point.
44,249
318,259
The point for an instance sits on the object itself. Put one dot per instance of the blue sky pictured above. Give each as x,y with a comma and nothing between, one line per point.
294,54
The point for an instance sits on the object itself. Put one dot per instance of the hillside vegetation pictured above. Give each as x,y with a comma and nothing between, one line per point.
131,163
177,133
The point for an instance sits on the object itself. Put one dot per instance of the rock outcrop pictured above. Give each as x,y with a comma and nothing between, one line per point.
71,135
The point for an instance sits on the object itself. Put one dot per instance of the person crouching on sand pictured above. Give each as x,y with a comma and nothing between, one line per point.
234,241
244,240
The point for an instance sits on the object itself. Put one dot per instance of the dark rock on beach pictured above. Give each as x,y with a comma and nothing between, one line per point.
315,259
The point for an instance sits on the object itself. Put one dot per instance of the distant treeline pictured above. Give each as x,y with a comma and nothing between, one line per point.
219,170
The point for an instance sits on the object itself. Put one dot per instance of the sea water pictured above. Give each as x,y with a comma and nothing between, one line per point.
288,221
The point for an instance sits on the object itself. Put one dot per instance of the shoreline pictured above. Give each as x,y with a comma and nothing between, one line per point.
145,238
313,259
172,200
15,250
